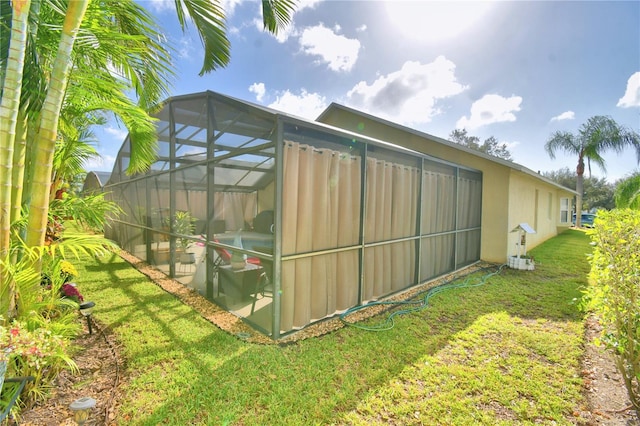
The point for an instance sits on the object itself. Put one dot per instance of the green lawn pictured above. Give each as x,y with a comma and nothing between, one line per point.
507,352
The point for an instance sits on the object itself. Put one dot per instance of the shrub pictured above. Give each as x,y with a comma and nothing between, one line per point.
614,291
40,337
39,353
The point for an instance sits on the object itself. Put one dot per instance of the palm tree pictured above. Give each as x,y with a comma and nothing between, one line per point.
9,108
51,68
72,152
597,135
628,192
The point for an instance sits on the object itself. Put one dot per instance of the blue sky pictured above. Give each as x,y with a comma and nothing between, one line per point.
514,70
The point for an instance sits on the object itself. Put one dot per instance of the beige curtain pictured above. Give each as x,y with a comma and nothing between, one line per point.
438,202
235,208
321,210
469,216
438,215
194,202
392,197
438,256
469,202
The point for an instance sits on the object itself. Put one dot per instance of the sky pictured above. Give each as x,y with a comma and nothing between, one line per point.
515,70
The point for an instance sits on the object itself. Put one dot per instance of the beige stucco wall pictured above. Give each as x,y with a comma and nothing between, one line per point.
508,197
537,203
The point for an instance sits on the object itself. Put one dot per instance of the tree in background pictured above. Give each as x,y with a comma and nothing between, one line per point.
628,192
490,146
598,193
598,135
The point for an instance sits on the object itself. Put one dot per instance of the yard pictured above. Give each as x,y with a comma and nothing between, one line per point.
507,352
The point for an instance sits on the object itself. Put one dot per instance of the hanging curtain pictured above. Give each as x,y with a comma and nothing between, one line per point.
392,197
438,215
194,202
469,216
469,202
321,210
235,208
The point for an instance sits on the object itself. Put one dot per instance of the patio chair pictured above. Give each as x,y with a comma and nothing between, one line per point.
264,286
17,390
224,258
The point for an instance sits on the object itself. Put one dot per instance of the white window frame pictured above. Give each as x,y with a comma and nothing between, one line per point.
565,210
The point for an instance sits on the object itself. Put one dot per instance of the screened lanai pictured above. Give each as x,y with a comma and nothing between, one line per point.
286,222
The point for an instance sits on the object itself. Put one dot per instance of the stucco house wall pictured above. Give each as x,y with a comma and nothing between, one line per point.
512,194
537,203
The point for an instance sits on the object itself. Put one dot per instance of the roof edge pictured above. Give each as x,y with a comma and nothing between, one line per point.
511,164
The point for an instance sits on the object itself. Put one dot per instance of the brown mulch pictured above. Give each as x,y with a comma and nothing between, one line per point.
606,394
103,374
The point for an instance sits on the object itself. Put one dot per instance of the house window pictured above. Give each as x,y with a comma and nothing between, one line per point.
564,210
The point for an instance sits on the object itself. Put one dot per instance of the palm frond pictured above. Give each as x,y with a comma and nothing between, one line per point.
209,20
562,141
277,14
130,46
72,153
91,211
98,94
627,194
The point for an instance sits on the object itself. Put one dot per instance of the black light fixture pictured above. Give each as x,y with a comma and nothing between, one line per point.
85,309
82,407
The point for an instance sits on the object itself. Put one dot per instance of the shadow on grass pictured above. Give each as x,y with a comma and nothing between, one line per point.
186,371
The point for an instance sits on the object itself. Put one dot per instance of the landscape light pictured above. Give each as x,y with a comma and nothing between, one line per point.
82,408
85,309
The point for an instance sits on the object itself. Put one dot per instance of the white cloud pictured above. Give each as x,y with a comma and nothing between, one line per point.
102,163
306,4
408,96
118,133
259,89
229,6
339,52
186,47
362,28
567,115
490,109
306,105
160,6
631,97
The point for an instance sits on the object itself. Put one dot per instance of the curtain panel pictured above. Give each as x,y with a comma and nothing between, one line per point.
321,210
391,196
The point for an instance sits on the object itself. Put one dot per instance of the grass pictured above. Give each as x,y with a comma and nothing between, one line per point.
504,353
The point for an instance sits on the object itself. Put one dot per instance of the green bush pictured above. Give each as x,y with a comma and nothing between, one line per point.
614,291
43,331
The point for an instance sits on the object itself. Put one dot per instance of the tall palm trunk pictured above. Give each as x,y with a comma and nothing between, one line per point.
9,107
45,141
19,154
